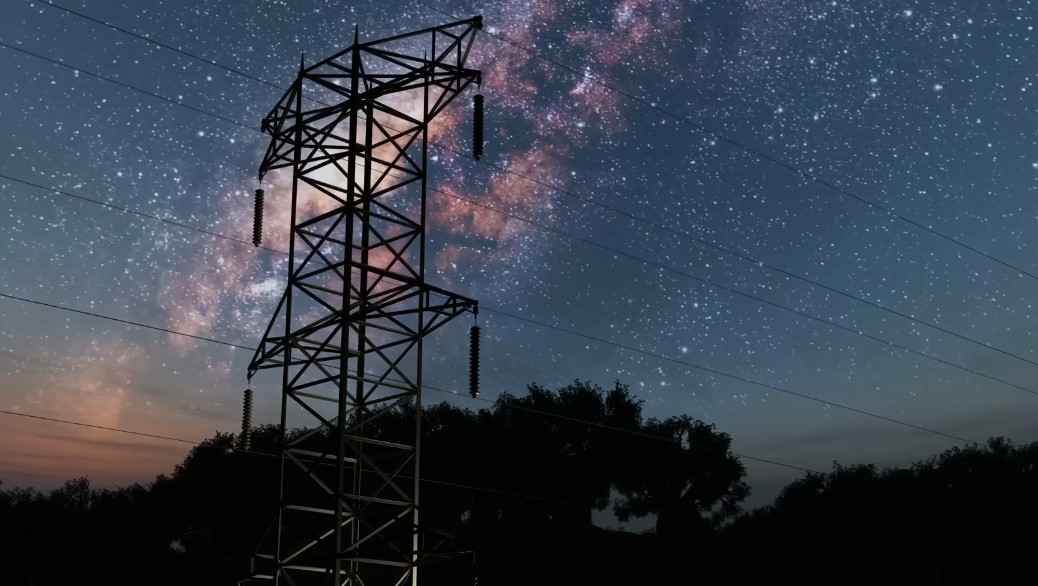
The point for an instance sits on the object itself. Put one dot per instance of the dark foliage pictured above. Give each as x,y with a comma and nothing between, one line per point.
963,517
966,516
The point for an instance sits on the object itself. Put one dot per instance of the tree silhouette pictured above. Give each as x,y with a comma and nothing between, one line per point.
965,515
518,481
689,482
560,458
555,445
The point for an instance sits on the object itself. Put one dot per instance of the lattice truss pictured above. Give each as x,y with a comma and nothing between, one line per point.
348,330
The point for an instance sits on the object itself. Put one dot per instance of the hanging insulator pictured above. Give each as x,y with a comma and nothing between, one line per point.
246,421
477,126
257,223
474,361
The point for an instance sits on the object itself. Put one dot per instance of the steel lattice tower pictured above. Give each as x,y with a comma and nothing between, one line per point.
348,330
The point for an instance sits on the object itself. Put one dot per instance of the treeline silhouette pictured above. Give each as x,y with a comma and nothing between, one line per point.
520,487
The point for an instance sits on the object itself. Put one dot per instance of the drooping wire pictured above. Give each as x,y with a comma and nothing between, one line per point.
830,323
445,391
246,420
477,126
479,25
806,174
126,86
986,345
204,445
257,220
559,328
474,361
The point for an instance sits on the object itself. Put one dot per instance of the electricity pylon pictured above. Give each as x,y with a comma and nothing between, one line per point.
347,333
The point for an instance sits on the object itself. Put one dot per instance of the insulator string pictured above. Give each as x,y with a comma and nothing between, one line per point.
477,126
474,361
257,224
246,421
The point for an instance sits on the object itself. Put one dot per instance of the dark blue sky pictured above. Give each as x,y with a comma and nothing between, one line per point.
928,112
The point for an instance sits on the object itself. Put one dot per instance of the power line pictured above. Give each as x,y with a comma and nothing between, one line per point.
560,232
572,332
503,405
612,250
122,321
549,326
657,264
174,49
629,348
743,147
516,217
135,212
747,258
545,413
614,428
768,266
804,314
161,44
128,86
779,306
90,425
728,375
219,447
432,388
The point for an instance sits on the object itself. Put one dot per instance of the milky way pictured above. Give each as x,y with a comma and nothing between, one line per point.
621,136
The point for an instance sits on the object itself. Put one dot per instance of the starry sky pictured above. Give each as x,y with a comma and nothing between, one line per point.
791,218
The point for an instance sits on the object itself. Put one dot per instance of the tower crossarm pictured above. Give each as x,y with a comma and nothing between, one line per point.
444,49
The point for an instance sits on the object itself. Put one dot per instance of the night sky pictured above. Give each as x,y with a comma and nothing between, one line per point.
643,140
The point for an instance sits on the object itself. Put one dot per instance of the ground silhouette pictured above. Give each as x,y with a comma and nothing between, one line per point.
962,517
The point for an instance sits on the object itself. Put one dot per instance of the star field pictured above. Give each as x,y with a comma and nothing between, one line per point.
630,144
